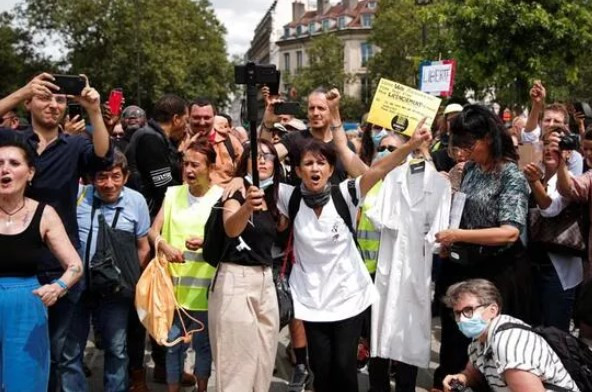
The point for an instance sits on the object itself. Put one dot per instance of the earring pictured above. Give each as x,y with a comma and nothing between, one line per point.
30,183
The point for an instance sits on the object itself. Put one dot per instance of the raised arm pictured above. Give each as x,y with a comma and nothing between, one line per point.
537,97
352,163
90,100
39,85
384,166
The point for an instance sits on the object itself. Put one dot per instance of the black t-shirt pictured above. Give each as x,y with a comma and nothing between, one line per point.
253,246
294,140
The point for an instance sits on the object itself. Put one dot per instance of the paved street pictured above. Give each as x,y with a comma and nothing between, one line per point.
94,359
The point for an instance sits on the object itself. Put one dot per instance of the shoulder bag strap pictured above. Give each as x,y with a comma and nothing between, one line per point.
116,217
343,209
88,242
229,147
294,204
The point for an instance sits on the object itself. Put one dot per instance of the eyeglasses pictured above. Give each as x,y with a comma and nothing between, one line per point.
467,311
383,148
267,156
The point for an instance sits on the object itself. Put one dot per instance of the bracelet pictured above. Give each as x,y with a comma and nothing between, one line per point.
334,127
61,283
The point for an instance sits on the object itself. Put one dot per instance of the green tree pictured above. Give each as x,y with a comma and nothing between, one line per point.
19,62
507,43
325,66
147,47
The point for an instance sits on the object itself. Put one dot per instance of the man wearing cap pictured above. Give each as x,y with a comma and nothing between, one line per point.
132,119
439,151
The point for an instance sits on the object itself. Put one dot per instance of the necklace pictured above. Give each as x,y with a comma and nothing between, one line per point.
10,215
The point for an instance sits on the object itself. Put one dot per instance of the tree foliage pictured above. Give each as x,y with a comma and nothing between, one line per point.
325,65
146,47
19,61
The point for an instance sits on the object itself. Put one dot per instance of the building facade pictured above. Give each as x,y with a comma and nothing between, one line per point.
350,20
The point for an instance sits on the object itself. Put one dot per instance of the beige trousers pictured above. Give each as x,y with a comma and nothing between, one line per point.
244,321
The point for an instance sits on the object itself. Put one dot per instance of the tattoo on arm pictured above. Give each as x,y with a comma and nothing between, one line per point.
75,269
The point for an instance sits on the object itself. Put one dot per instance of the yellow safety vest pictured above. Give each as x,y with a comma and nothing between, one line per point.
368,236
192,278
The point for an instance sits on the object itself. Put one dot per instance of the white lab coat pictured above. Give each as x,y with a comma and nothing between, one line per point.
410,210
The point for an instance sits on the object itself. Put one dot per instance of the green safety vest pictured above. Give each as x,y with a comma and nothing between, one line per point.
368,236
192,278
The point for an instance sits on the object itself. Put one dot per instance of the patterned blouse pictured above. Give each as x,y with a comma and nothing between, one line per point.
494,198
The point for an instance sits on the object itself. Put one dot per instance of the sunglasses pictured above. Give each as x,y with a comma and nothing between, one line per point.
383,148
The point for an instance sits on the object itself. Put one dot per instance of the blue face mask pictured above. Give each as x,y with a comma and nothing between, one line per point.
472,327
377,137
380,155
263,184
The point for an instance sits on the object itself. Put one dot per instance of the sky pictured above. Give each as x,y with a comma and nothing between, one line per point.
240,17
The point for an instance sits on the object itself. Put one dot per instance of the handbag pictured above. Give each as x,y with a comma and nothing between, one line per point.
104,278
564,233
282,289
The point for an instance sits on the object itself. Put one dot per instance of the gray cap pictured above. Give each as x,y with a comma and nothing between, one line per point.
133,111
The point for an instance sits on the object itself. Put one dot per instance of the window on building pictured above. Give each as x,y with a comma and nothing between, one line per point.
287,62
366,20
311,27
366,53
298,30
325,24
298,59
286,32
341,23
372,5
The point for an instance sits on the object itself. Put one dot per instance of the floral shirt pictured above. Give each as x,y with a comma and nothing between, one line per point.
494,198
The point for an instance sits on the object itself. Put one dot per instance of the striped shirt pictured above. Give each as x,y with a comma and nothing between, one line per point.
517,349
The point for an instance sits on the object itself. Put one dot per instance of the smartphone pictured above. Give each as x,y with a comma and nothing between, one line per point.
530,153
584,108
69,84
274,88
75,109
291,108
115,101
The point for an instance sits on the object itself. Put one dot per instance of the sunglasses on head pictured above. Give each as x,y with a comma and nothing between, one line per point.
383,148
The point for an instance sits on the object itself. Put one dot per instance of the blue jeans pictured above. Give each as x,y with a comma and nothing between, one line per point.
60,315
24,337
175,355
112,315
556,304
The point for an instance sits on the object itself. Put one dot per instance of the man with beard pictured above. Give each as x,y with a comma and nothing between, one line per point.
60,161
132,119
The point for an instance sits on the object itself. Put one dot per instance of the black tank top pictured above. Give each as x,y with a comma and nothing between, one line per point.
21,252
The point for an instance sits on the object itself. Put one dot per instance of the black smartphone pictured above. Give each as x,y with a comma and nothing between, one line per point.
274,88
291,108
584,108
75,109
69,84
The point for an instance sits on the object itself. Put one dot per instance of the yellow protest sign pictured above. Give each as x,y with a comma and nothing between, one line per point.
400,108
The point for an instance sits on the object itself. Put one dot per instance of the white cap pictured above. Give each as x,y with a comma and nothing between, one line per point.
453,108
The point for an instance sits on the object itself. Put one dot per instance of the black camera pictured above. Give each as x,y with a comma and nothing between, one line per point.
456,386
569,142
291,108
253,74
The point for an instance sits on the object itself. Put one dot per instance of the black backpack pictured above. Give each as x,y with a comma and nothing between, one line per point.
338,201
574,354
215,241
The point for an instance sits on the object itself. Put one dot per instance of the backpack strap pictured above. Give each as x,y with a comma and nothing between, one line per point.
294,204
229,147
342,207
506,326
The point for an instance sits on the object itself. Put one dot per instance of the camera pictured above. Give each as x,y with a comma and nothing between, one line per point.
292,108
569,142
253,74
456,386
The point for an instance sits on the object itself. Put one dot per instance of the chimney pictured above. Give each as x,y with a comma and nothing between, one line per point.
297,11
322,7
349,4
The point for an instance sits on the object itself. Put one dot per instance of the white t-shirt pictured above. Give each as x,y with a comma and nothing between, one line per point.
329,281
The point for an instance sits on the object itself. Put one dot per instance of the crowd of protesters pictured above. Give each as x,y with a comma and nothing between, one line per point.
370,225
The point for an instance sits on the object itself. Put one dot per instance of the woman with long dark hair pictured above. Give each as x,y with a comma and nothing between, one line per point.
243,310
487,245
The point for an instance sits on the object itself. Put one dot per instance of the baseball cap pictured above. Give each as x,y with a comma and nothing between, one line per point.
133,111
453,108
295,124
